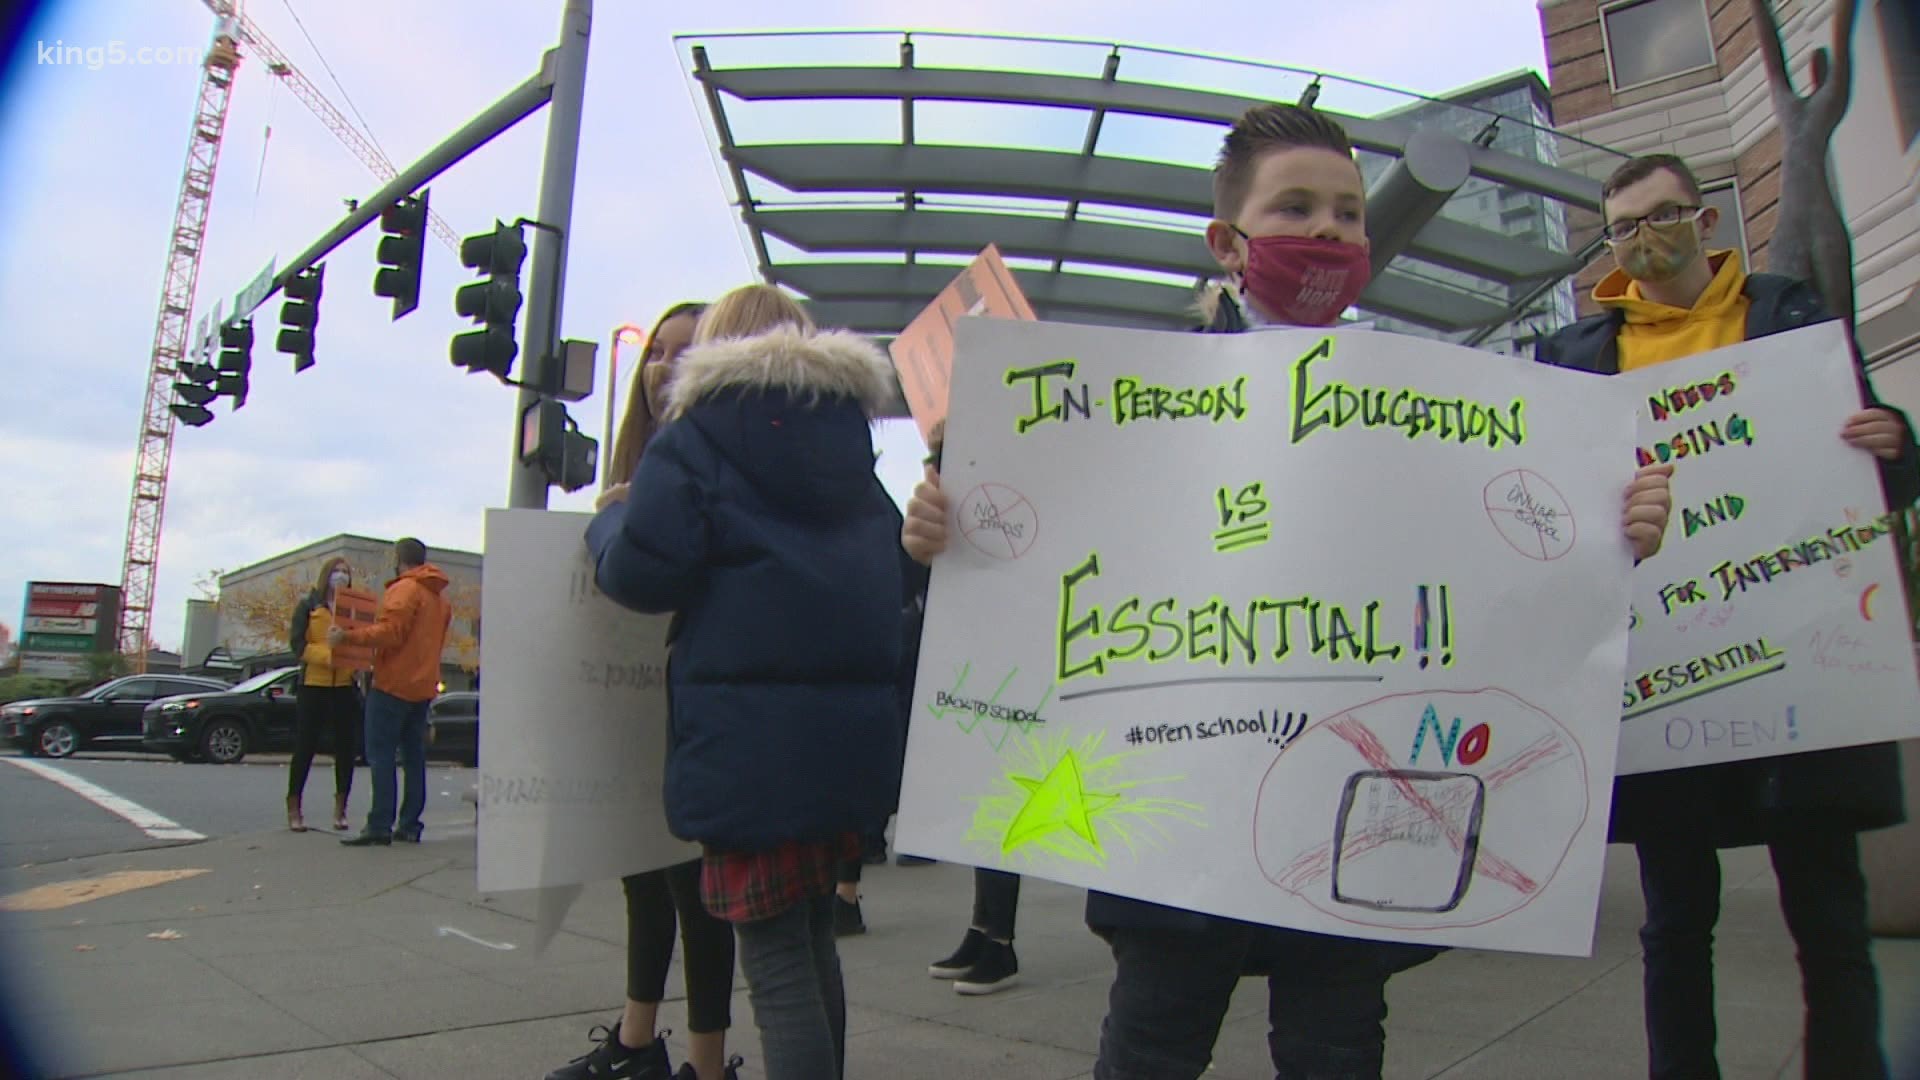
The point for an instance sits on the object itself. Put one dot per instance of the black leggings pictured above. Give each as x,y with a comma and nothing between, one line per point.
654,900
873,840
336,709
996,900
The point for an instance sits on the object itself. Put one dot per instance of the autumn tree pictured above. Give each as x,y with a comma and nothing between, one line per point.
254,615
463,636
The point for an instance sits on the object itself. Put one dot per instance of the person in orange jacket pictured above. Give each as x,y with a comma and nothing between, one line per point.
407,636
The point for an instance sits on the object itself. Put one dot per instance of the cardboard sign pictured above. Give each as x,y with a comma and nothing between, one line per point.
1773,620
1316,630
923,353
354,609
573,749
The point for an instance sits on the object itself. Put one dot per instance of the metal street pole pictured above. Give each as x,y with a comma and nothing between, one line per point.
623,332
527,487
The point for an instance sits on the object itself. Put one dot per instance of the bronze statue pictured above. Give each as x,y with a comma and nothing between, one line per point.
1810,238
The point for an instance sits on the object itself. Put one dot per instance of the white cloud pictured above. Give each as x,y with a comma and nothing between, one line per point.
384,437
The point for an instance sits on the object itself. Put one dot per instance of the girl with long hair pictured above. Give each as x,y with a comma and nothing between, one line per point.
660,900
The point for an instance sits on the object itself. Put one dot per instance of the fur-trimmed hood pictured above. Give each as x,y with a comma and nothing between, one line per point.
807,366
790,411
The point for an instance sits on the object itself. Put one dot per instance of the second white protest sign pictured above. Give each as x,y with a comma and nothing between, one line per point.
1774,620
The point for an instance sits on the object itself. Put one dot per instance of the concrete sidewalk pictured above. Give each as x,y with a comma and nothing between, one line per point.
296,957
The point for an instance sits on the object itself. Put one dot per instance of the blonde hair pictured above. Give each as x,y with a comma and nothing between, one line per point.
749,311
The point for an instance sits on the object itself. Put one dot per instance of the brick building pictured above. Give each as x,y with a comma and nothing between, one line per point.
1686,77
249,620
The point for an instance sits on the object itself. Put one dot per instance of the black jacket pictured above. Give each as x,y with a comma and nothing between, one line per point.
1106,912
1748,802
297,634
757,519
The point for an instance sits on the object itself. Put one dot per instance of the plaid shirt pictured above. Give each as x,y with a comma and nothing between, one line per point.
748,886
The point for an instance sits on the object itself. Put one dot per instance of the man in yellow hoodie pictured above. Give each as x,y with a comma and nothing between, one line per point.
1672,297
407,635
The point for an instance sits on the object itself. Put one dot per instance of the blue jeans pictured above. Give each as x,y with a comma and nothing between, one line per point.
799,1003
396,727
1824,899
1326,1003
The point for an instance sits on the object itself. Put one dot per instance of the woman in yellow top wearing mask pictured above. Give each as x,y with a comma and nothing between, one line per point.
327,698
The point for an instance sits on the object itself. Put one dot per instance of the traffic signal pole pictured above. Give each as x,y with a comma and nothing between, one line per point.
518,104
560,85
527,485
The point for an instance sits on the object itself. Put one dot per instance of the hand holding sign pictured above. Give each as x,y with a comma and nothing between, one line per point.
1649,504
1876,431
925,533
352,609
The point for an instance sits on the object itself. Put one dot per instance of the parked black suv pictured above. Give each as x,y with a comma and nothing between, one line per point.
453,727
105,717
223,726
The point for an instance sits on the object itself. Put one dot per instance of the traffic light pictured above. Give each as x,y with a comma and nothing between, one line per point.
494,303
236,361
195,394
299,315
550,439
402,250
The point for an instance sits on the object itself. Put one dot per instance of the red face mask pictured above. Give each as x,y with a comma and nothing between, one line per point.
1304,280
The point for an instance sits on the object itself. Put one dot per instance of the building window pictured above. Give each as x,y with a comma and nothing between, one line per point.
1650,40
1732,230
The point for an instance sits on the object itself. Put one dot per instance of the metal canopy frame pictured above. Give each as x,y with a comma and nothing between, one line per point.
886,213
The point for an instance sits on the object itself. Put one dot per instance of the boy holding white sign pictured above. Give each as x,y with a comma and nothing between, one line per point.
1290,231
1672,298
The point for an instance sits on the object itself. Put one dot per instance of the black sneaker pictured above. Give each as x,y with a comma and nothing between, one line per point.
367,839
846,918
686,1070
613,1060
996,970
963,958
408,836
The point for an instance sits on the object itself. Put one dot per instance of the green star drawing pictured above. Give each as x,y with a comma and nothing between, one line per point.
1028,821
1060,801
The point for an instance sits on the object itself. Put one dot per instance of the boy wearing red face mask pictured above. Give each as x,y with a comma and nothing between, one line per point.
1290,231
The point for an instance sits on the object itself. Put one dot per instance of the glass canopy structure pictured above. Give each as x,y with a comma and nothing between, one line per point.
867,165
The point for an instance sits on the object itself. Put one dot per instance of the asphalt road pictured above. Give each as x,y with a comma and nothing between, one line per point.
41,821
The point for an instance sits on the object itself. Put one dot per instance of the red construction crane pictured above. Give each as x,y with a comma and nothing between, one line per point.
358,141
155,454
232,31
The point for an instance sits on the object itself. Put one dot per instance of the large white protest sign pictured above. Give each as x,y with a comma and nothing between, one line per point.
1773,621
574,716
1315,631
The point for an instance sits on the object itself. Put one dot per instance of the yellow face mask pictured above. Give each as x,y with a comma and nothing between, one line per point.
1658,252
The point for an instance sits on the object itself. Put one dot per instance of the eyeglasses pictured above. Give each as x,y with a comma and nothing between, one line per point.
1624,228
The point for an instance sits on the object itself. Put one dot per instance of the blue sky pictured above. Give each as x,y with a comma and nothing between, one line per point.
385,437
